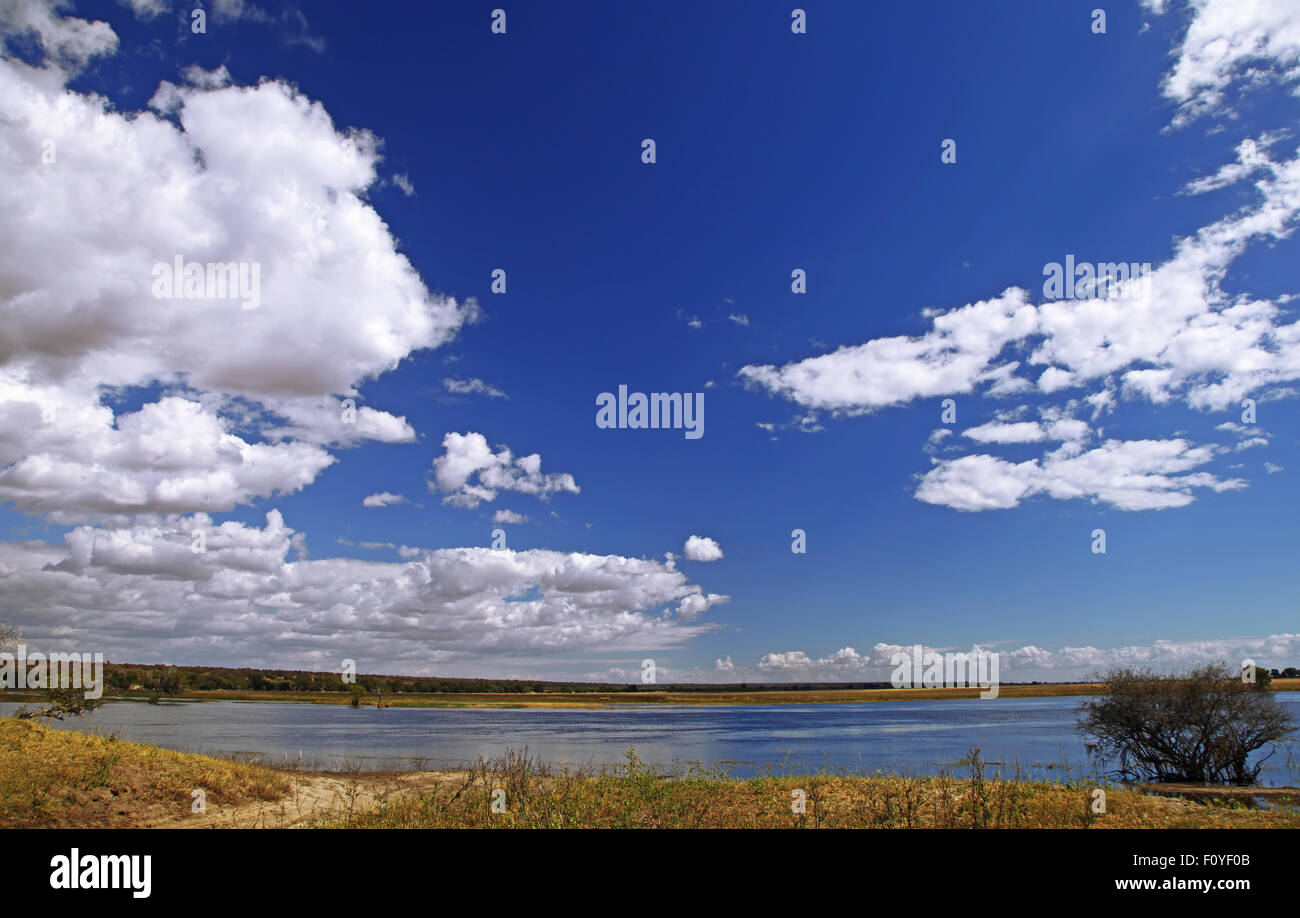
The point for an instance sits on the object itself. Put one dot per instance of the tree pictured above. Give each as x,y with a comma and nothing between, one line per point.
162,680
1201,725
63,701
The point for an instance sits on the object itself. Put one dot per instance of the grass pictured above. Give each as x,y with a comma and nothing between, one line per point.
53,777
634,796
58,777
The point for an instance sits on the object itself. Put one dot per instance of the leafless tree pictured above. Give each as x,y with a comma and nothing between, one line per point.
1201,725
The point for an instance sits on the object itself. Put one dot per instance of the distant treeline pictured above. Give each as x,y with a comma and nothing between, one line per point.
126,677
134,676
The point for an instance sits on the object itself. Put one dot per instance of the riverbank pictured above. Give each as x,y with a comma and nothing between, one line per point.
51,778
578,700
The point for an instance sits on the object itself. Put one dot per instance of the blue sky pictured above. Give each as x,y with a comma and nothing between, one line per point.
774,151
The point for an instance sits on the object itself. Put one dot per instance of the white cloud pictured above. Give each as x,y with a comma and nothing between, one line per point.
696,604
1127,475
1016,432
1231,42
288,21
383,499
1029,662
471,387
890,371
404,184
1056,425
147,9
469,472
509,517
1183,338
244,603
171,456
207,79
128,190
700,548
68,43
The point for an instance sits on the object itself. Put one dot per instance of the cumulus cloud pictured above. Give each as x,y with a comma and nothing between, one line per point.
1176,335
382,499
890,371
243,602
1125,474
509,517
1028,662
203,177
469,472
1184,338
471,387
700,548
1230,43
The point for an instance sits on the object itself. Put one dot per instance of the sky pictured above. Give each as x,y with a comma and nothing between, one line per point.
834,232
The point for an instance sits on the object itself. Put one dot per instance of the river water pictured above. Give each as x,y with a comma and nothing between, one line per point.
900,736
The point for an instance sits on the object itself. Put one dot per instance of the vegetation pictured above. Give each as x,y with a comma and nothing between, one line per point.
53,777
635,796
63,702
127,677
1198,726
252,684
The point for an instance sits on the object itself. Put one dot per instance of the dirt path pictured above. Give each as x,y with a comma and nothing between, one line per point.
314,799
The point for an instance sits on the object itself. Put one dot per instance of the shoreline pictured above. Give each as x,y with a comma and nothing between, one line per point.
68,778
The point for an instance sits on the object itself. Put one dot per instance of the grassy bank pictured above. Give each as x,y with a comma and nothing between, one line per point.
636,797
52,777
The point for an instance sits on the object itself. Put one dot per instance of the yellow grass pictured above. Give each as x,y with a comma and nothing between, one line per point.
54,777
635,797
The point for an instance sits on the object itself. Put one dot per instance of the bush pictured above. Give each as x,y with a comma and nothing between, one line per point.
1199,726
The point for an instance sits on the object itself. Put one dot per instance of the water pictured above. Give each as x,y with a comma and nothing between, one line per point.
904,736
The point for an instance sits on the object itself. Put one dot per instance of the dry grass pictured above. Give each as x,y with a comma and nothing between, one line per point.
633,796
52,777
